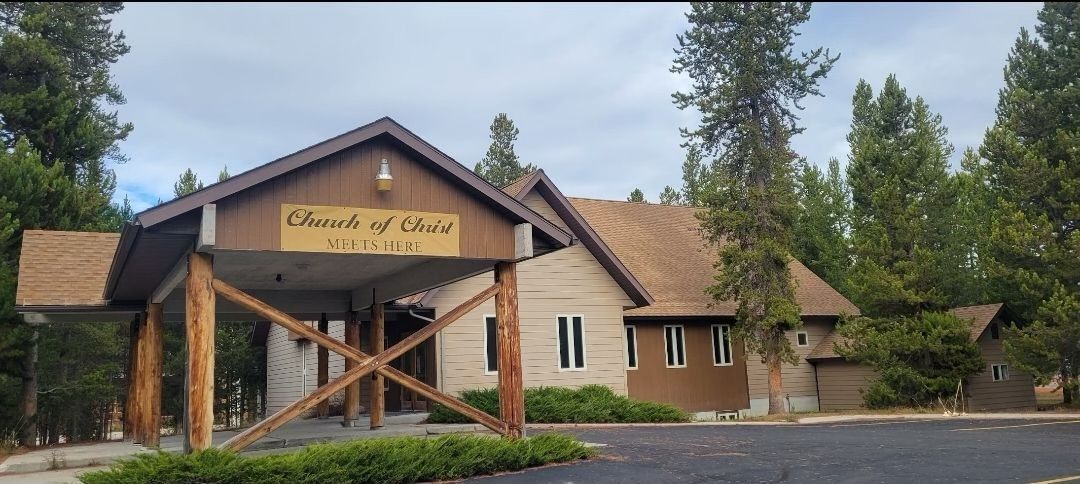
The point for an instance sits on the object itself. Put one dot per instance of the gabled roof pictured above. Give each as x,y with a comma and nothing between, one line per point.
979,316
134,235
59,268
662,246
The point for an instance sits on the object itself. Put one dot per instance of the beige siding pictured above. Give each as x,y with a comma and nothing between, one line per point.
537,203
1018,392
285,375
567,281
798,380
839,382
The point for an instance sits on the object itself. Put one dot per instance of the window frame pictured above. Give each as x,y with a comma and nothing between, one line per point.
999,372
682,332
805,335
725,350
570,339
487,363
626,357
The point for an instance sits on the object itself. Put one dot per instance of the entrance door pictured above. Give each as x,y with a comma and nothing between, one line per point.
415,364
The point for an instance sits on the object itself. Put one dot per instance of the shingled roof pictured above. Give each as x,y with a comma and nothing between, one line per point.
979,316
662,247
64,268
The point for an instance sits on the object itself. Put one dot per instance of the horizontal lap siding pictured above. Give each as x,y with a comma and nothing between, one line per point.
1018,392
701,386
840,381
284,371
568,281
798,380
251,218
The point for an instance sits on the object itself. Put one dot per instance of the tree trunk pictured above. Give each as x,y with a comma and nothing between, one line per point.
28,433
776,384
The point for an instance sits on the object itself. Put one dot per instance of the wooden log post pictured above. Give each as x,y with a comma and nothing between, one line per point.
131,403
150,376
378,344
350,410
199,321
508,345
323,410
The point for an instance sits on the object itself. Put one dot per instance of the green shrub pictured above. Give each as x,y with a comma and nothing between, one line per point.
390,460
918,359
588,404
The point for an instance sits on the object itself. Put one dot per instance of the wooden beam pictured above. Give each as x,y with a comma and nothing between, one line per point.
151,354
207,229
511,387
523,241
199,322
173,279
366,364
350,408
131,402
377,408
323,363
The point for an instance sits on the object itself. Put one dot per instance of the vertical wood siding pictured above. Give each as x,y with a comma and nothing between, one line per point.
700,386
251,219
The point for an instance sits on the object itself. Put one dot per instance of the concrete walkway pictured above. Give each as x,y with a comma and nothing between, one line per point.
294,434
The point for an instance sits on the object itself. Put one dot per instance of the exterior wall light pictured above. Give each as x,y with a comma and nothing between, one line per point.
384,181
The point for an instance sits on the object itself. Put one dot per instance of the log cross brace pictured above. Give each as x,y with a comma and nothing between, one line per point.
365,364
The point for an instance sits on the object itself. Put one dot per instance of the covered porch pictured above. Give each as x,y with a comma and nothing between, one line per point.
343,230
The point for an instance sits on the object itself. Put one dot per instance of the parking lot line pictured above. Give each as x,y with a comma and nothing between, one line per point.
1060,479
1015,426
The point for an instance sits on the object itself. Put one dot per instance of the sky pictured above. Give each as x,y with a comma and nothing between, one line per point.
589,86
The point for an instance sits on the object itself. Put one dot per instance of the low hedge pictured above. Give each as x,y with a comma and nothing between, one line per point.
588,404
387,460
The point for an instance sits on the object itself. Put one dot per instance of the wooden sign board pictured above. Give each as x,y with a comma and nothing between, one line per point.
316,228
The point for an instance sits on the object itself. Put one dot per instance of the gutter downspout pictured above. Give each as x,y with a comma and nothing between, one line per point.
438,335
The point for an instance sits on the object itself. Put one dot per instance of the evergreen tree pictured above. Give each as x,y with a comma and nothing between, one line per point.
501,165
670,197
747,84
902,204
821,241
696,178
1032,155
223,174
187,183
973,216
637,196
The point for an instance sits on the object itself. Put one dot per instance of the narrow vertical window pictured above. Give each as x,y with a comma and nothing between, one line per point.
721,344
491,352
994,331
631,347
802,339
571,335
675,346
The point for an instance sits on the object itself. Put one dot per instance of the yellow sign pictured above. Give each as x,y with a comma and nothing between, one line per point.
313,228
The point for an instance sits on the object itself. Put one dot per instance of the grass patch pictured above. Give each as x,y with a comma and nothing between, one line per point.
389,460
588,404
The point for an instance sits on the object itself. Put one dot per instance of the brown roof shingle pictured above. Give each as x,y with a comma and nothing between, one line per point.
59,268
979,316
662,247
515,187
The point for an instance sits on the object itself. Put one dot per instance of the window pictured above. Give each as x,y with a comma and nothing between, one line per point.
491,353
631,347
994,334
1001,372
802,339
721,344
675,346
571,341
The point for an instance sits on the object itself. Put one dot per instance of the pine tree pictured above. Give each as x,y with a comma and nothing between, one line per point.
696,178
747,84
501,165
187,183
670,197
902,204
974,215
637,196
223,174
821,241
1032,157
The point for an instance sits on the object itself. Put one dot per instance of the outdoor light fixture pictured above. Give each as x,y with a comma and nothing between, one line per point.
383,181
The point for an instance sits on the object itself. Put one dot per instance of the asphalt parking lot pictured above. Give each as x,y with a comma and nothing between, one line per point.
890,451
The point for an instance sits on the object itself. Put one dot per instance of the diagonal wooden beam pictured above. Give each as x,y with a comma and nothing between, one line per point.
366,364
